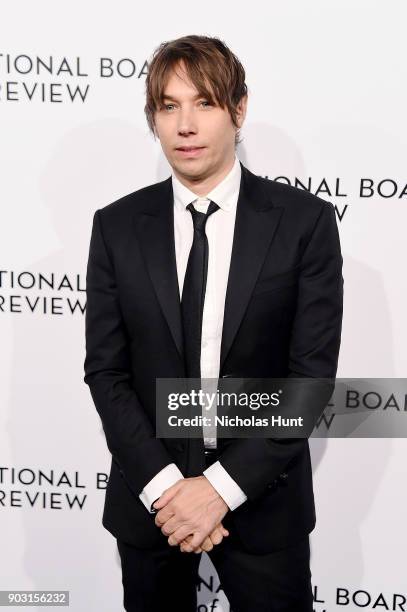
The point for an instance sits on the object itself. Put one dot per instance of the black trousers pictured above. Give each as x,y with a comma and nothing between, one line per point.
166,579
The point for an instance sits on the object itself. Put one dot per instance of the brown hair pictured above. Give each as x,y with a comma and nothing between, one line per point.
208,62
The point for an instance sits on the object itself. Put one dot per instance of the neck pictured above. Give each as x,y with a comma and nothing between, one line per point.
202,185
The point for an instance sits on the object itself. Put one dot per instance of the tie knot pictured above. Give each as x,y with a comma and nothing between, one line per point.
198,218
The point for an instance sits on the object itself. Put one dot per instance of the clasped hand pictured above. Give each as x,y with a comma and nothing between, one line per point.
190,514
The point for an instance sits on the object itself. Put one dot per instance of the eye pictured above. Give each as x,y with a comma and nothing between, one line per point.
166,106
205,102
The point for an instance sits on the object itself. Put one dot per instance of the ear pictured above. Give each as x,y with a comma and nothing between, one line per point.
241,109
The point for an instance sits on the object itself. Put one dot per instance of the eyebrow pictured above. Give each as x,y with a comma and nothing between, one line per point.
170,97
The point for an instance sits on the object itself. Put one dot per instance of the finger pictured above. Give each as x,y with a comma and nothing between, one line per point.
183,548
223,529
170,526
216,536
207,544
198,549
163,516
186,541
167,495
179,535
197,539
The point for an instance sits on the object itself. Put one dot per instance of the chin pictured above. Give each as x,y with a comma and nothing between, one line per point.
191,167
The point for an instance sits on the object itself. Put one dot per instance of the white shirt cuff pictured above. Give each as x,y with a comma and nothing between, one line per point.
224,484
157,485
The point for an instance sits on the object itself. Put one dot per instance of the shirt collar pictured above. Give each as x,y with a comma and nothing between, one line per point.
225,193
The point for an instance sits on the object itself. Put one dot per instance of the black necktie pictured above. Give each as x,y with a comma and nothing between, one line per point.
193,291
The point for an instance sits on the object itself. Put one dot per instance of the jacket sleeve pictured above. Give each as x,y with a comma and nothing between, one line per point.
313,353
129,433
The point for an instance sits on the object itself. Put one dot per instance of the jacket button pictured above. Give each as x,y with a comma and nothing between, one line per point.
283,478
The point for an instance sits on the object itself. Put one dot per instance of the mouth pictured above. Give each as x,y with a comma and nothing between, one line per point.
189,151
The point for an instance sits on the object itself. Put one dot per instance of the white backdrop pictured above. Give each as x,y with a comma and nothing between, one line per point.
327,100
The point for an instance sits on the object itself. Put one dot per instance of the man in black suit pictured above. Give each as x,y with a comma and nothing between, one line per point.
213,272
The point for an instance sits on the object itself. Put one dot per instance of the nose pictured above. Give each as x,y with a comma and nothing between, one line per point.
186,122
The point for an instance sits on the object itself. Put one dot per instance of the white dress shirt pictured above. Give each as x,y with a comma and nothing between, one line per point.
219,231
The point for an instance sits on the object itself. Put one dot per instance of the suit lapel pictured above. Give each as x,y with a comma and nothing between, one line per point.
255,225
155,228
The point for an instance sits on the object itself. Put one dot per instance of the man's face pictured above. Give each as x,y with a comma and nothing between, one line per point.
197,138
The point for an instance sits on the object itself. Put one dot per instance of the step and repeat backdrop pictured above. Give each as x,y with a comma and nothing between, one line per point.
327,112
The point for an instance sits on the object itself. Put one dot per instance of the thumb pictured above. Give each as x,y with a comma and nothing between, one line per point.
167,496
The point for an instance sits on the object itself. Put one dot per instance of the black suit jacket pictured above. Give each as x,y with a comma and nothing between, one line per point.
283,316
